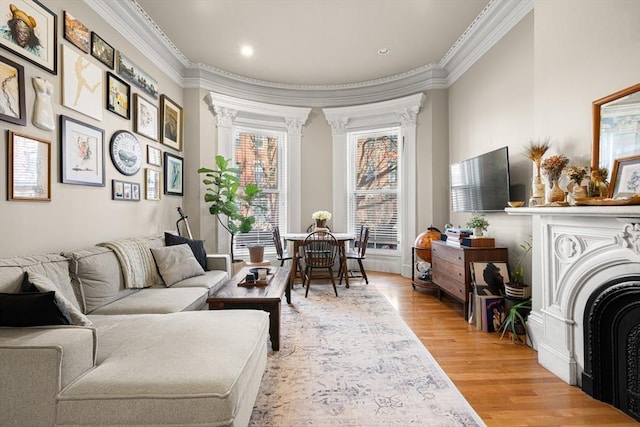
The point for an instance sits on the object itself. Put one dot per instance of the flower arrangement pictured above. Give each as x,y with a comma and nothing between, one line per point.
598,186
576,173
478,221
535,150
553,166
321,215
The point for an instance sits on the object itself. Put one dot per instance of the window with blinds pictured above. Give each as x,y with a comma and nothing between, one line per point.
373,186
260,157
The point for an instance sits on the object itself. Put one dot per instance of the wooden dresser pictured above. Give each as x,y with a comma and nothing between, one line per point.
450,268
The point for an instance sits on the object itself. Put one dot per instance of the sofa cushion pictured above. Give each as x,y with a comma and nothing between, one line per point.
176,263
96,276
53,266
211,280
158,299
197,247
32,309
202,366
43,284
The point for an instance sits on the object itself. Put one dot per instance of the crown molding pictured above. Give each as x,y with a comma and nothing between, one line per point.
495,20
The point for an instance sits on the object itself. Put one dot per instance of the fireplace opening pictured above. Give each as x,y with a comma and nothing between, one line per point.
612,345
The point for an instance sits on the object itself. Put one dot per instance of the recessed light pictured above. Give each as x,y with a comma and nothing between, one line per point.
247,50
383,51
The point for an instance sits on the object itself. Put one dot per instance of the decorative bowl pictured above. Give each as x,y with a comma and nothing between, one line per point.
516,204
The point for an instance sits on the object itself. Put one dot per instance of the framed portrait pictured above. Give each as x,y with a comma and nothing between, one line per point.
102,51
489,277
118,96
125,190
625,177
31,21
82,84
76,32
171,123
154,156
12,104
173,174
134,74
81,153
145,117
29,168
152,184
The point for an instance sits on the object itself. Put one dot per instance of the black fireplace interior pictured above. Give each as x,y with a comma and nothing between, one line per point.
612,345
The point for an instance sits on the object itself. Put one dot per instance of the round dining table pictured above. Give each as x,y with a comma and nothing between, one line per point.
298,241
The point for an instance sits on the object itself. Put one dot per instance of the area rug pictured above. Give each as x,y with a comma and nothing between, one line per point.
351,361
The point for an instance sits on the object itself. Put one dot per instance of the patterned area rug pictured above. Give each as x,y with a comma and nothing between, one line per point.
351,361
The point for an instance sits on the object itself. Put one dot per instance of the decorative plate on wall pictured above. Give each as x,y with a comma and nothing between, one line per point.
126,153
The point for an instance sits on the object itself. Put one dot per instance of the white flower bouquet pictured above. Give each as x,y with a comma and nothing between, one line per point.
321,215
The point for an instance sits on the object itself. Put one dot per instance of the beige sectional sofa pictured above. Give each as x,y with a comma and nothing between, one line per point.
150,356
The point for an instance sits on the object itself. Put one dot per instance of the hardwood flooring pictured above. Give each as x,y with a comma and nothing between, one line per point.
502,381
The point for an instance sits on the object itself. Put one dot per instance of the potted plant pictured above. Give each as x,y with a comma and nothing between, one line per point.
479,224
231,206
515,321
516,288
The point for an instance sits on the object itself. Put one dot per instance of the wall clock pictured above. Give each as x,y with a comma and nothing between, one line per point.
126,153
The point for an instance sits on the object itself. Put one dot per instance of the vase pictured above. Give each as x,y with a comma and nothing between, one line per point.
478,232
578,192
321,223
256,253
537,191
555,194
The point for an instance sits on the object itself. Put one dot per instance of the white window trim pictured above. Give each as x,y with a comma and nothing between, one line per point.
230,112
397,112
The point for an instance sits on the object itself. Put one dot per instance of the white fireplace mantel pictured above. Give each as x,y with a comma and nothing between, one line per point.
575,250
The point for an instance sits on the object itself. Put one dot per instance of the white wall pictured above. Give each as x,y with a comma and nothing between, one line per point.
77,215
491,106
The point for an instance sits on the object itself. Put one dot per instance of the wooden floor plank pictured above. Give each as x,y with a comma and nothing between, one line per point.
501,380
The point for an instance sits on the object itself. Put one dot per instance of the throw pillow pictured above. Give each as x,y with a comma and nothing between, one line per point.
31,309
197,246
176,263
38,282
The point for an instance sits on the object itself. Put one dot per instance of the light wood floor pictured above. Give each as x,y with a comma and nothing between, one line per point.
502,381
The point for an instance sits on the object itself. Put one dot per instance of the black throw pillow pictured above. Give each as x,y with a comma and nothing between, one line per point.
32,309
197,247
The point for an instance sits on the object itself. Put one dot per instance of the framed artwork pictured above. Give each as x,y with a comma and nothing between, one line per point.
102,51
29,168
171,123
489,277
82,87
118,95
81,153
12,103
76,32
145,117
125,190
30,31
154,156
625,177
152,183
132,73
173,174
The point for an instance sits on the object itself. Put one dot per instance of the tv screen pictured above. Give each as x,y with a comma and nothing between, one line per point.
481,184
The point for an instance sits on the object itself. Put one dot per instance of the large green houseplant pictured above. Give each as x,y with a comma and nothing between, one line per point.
231,206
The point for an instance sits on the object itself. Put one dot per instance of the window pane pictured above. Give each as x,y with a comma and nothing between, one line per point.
259,157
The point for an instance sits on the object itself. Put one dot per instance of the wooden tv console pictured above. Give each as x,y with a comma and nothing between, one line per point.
450,268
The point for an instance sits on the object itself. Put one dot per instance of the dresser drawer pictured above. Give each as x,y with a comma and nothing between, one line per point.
453,287
450,270
449,254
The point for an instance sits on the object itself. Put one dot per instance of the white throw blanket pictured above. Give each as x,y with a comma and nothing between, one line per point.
138,266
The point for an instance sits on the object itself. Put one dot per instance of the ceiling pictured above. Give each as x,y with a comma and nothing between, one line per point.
314,42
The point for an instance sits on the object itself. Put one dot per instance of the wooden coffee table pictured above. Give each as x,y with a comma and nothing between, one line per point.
260,297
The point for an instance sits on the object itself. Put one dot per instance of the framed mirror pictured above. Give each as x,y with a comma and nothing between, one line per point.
616,127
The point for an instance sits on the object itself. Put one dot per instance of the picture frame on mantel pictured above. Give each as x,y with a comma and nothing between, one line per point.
625,177
41,23
12,106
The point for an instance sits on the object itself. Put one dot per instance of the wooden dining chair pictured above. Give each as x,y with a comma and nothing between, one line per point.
283,255
320,252
359,254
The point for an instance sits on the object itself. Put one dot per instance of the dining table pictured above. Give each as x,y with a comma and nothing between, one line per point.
298,241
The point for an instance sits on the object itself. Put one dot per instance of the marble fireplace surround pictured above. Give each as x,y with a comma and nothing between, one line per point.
575,251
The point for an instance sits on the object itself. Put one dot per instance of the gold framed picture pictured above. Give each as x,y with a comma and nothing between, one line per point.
29,168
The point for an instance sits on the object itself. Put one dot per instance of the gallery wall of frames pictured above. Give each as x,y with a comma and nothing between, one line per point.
94,80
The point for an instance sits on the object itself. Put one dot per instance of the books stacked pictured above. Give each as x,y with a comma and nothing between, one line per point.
479,242
455,236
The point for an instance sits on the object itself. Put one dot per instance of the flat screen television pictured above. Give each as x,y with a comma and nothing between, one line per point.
481,183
